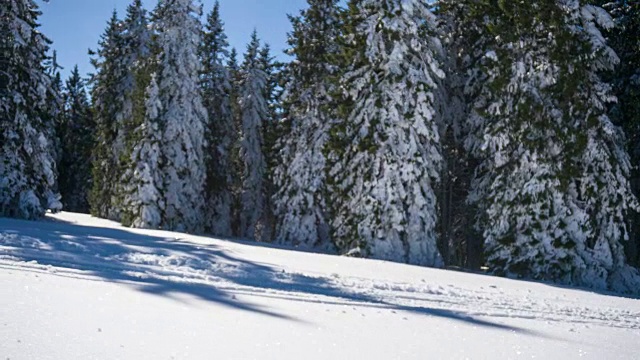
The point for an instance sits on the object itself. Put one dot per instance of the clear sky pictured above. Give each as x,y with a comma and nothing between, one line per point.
76,25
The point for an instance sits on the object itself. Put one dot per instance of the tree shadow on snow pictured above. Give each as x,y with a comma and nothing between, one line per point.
588,290
168,267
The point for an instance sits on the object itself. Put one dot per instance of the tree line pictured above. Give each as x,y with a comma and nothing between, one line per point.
462,133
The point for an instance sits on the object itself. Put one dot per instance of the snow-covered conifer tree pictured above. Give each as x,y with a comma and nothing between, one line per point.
253,108
299,177
183,118
76,132
140,185
624,38
143,203
122,57
459,241
385,154
133,54
221,134
27,154
55,101
552,181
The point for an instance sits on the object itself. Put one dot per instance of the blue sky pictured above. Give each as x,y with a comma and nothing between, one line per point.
76,25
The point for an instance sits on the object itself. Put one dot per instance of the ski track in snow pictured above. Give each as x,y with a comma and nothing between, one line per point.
158,262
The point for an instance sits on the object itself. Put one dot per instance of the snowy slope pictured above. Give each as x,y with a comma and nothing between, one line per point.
75,287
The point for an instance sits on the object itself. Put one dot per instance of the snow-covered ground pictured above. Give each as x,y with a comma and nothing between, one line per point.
75,287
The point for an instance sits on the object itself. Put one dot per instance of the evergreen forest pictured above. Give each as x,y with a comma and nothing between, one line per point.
484,135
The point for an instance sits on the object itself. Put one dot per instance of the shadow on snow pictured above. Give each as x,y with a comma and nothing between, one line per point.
152,264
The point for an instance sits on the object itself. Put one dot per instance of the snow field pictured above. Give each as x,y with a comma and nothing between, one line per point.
75,287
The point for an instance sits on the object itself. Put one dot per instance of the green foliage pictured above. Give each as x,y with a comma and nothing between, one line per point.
76,131
624,38
218,89
106,105
538,127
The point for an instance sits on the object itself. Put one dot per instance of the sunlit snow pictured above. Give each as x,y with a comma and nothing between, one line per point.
75,287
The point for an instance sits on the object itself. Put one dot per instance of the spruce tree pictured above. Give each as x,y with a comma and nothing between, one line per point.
459,241
272,92
627,89
138,148
27,154
133,55
270,131
385,152
141,181
221,135
138,47
624,38
76,136
183,118
107,104
143,205
272,99
55,102
552,185
254,112
233,68
299,176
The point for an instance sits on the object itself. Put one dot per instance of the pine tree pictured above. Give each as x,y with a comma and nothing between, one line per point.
182,118
216,89
27,154
552,181
299,175
76,135
254,112
107,103
385,153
